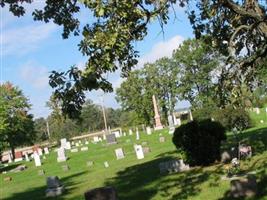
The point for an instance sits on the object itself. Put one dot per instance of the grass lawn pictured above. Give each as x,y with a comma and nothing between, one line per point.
135,179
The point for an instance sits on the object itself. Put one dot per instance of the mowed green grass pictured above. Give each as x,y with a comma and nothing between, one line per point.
136,179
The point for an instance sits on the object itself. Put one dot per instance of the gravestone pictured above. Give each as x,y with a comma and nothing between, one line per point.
26,156
96,139
171,130
257,110
148,130
46,151
9,157
226,157
124,134
179,123
54,187
61,157
40,151
74,150
170,121
261,121
106,164
41,172
175,122
137,134
8,178
65,168
161,139
119,153
172,166
130,132
144,143
139,151
111,139
86,142
67,146
77,144
37,159
80,142
89,163
146,150
117,134
18,156
103,193
84,149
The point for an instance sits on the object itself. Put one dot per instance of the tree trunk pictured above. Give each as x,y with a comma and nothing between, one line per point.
12,152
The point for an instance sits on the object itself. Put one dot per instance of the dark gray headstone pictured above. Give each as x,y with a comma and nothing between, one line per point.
103,193
111,139
244,187
54,186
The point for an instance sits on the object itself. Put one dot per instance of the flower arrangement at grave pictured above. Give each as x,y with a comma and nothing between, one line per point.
234,168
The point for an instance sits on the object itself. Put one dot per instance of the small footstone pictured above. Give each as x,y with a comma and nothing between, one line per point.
89,163
8,178
41,172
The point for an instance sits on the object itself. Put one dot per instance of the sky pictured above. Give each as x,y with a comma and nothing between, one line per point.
30,50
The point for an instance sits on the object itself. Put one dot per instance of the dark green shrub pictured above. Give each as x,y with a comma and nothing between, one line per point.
203,113
200,141
233,118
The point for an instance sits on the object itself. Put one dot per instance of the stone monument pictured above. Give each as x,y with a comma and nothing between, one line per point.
54,186
158,125
139,151
119,153
61,157
37,159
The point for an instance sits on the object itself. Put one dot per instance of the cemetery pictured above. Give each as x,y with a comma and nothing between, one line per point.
133,100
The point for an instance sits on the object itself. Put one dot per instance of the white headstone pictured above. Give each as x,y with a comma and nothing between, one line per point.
119,153
175,122
84,149
46,151
117,134
9,158
171,130
190,115
148,130
61,157
179,123
104,136
139,151
262,121
67,145
77,144
74,150
40,151
266,110
26,156
37,159
80,142
130,132
96,139
86,142
170,121
257,110
106,164
137,134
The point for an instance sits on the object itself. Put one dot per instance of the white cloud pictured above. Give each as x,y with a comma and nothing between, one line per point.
161,49
22,40
35,75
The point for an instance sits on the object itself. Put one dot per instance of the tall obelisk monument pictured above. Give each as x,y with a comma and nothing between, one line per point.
158,124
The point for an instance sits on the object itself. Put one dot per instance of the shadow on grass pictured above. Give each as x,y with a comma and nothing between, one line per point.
38,193
256,138
9,167
143,181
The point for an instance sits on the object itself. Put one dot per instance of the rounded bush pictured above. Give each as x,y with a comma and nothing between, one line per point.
200,141
233,118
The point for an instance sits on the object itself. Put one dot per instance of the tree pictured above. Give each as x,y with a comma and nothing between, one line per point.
40,127
108,40
200,141
18,126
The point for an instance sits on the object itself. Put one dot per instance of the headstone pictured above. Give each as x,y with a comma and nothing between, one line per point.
9,157
37,159
77,144
80,142
243,187
148,130
261,121
226,157
72,143
41,172
106,164
161,139
67,146
179,123
89,163
144,143
46,151
190,116
266,109
54,187
8,178
111,139
175,122
119,153
26,157
139,151
117,134
124,134
65,168
96,139
172,166
137,134
130,132
146,150
40,151
257,110
86,142
84,149
61,157
74,150
103,193
63,142
171,130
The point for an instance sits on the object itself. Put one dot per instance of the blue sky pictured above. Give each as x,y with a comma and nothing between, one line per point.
30,50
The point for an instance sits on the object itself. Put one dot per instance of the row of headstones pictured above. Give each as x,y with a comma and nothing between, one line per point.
257,110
